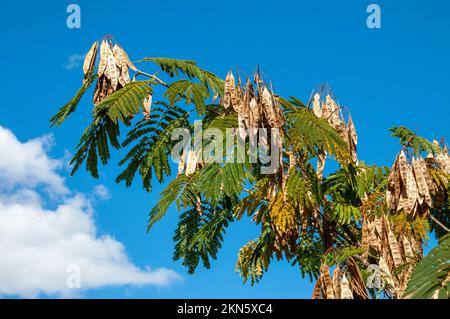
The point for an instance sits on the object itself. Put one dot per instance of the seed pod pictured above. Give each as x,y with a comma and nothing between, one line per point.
147,106
336,115
395,251
329,109
255,114
407,247
181,164
379,227
411,191
128,61
89,60
325,275
346,292
403,166
233,93
268,109
316,105
112,72
352,130
192,160
336,279
373,237
316,292
103,57
226,100
385,271
421,182
321,163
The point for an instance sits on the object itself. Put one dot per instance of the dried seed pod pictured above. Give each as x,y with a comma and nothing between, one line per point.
336,279
336,114
226,100
111,69
395,251
181,163
316,292
378,227
329,108
268,109
89,60
255,111
385,271
316,105
147,106
421,182
352,139
192,160
326,281
127,60
346,292
321,163
373,237
403,166
365,240
233,93
411,191
407,247
428,179
352,130
103,57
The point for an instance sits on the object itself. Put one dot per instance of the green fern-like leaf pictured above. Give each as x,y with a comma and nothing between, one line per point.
410,139
94,144
124,103
152,151
306,130
199,237
174,67
71,106
183,191
189,91
432,273
216,181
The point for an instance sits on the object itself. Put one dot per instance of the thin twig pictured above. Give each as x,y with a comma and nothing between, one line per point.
153,76
439,223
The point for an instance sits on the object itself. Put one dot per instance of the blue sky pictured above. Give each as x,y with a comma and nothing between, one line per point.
396,75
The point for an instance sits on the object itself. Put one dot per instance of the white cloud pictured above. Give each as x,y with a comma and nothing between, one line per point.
38,245
27,164
101,192
74,61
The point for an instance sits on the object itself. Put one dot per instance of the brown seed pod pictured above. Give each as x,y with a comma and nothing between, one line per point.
316,105
346,292
147,106
395,250
103,57
336,279
89,60
326,281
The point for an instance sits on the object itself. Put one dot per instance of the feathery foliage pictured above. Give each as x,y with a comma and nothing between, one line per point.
71,106
417,143
152,145
432,273
311,218
199,237
174,67
125,103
